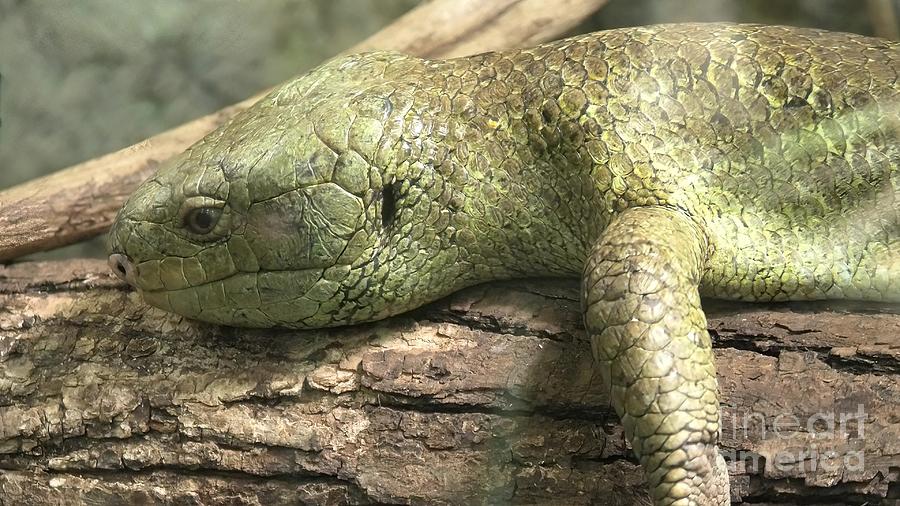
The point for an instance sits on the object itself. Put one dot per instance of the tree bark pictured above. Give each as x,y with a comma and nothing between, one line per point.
487,397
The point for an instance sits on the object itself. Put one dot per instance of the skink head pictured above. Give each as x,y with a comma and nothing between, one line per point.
296,213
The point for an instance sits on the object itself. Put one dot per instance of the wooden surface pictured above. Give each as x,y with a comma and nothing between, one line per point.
82,201
487,397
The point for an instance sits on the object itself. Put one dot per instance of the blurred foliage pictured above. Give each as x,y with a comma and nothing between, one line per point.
84,78
81,79
838,15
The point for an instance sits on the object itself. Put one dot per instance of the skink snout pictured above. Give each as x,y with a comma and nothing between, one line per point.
122,266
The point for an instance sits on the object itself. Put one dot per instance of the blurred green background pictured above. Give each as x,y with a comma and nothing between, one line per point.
81,79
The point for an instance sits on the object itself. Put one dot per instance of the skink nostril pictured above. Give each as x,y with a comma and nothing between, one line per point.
121,265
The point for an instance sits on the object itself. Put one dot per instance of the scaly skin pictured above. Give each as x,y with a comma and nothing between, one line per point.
663,163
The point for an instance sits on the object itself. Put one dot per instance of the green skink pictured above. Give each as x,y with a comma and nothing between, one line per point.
660,164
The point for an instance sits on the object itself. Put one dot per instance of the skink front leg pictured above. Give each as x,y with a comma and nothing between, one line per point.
642,309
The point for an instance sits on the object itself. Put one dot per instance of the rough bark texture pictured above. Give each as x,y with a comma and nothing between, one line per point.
489,396
82,201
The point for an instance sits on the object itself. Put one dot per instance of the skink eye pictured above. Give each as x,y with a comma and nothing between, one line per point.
202,220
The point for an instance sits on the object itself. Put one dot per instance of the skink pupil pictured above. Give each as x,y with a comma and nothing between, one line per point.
202,220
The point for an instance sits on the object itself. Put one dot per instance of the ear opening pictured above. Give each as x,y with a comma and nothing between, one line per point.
388,205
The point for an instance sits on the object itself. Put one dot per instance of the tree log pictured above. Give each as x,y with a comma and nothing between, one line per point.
487,397
82,201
